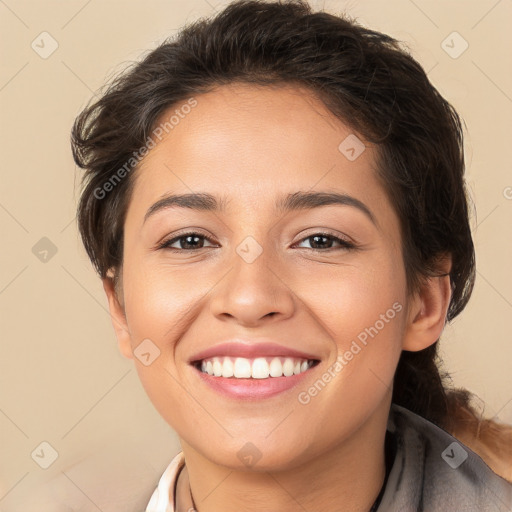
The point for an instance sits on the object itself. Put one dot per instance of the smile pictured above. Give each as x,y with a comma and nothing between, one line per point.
254,368
251,379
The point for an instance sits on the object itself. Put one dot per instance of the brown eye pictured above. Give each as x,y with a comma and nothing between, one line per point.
324,242
186,242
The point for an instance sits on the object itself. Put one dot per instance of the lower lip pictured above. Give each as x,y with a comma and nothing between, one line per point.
252,389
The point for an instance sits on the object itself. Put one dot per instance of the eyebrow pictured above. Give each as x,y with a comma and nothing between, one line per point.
290,202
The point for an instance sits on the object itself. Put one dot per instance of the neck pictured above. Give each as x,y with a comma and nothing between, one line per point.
347,478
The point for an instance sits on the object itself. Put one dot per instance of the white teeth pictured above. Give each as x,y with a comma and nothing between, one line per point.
242,368
217,367
227,368
276,367
288,367
258,368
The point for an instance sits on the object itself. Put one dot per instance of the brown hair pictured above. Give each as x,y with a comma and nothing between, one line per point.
364,78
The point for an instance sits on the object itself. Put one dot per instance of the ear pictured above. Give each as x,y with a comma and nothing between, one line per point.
118,318
427,309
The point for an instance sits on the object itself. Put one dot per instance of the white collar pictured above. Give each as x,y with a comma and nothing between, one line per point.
163,497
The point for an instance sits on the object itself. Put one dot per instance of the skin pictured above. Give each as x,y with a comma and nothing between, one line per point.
254,144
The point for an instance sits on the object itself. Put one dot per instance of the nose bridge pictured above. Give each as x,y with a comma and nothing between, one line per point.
253,288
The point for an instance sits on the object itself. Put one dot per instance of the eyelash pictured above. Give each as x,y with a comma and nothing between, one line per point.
345,244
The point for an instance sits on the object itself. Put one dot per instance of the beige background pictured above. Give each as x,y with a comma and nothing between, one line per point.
62,379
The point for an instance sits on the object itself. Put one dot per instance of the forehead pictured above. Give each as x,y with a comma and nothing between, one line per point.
249,144
237,122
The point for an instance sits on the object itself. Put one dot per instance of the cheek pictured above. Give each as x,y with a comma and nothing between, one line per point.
362,311
157,302
158,306
352,300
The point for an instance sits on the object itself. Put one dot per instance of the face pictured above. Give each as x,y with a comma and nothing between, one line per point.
325,279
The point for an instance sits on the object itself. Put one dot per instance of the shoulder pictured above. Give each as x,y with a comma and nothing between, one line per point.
434,471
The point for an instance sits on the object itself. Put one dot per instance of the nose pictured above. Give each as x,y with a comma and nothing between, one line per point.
254,292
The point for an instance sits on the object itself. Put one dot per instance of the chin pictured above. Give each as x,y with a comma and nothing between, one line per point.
257,454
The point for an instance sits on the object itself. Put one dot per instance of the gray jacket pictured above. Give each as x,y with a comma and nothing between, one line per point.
433,472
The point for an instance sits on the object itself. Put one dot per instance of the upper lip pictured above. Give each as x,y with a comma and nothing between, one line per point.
250,349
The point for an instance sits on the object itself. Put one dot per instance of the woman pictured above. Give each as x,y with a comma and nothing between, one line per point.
275,203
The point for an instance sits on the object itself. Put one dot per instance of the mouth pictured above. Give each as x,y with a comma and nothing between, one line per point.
254,368
253,379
